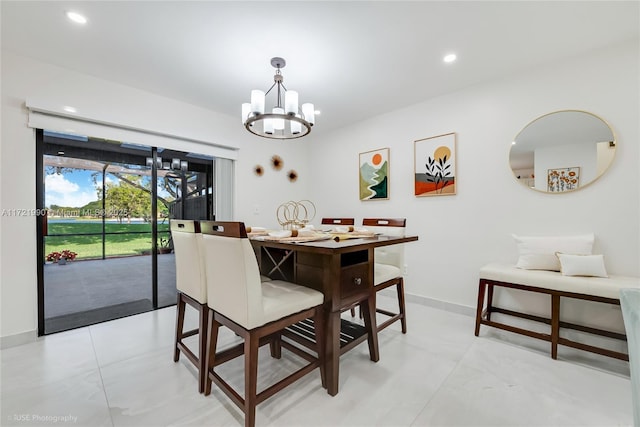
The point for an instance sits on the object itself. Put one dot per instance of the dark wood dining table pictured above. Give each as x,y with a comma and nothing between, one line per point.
343,271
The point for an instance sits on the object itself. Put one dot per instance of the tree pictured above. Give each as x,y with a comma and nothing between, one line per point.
124,200
130,197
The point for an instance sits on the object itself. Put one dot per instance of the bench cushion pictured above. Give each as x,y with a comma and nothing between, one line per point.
597,286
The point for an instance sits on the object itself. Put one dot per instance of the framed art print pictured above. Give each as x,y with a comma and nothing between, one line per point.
560,180
435,166
374,174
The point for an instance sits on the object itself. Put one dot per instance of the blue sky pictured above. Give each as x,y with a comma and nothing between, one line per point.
76,189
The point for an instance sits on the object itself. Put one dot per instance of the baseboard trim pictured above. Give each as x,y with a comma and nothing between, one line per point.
442,305
18,339
435,303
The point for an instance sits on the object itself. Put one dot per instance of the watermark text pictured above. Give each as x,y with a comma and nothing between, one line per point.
40,418
67,213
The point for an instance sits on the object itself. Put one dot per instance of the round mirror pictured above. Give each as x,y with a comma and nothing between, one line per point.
562,151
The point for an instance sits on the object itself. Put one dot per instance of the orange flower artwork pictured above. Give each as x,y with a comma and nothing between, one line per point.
560,180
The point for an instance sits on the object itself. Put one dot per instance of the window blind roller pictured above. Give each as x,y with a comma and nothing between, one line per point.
77,126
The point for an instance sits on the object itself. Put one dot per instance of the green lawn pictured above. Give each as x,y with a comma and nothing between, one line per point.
129,241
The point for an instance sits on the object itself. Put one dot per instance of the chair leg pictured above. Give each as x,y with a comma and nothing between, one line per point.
212,342
202,346
401,305
251,345
180,306
275,345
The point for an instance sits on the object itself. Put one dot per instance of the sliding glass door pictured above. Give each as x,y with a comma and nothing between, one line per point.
105,241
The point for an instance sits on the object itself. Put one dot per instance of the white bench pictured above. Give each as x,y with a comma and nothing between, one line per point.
605,290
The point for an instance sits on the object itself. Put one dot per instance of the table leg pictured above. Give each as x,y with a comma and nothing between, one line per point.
333,352
368,309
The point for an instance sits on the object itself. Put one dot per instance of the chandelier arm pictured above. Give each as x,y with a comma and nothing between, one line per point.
267,92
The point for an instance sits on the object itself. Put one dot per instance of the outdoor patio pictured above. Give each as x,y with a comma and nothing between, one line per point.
86,292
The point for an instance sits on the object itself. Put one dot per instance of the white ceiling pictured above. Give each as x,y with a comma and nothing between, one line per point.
352,59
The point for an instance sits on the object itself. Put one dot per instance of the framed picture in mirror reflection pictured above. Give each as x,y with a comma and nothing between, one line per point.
560,180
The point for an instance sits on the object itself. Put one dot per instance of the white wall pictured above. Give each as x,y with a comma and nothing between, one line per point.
24,78
460,233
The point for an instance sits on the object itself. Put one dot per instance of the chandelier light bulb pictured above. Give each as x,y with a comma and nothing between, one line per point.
291,102
257,101
268,126
309,113
296,127
246,110
278,124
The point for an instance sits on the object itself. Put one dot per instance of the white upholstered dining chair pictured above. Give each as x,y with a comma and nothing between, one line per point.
388,266
192,290
254,310
337,221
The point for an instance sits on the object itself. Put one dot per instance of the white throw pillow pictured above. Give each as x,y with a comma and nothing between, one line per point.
539,252
582,265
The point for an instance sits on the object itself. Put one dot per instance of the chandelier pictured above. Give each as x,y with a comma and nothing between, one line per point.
285,121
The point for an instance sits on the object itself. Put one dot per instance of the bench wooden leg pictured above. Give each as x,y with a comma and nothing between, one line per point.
481,290
555,325
489,300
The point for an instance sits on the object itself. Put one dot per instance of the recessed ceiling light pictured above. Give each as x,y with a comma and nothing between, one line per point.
317,112
70,109
450,57
76,17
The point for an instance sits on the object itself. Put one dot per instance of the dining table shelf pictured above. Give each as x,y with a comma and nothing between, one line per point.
351,334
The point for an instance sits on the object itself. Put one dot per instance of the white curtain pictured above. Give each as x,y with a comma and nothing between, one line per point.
224,188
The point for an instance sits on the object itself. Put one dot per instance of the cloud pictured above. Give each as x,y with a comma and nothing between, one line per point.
59,184
62,192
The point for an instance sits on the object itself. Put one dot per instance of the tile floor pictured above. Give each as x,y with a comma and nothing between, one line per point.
121,373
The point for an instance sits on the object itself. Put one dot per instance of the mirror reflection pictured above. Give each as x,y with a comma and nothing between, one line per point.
562,151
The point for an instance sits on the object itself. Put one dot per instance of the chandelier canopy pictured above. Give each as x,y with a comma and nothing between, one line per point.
285,120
